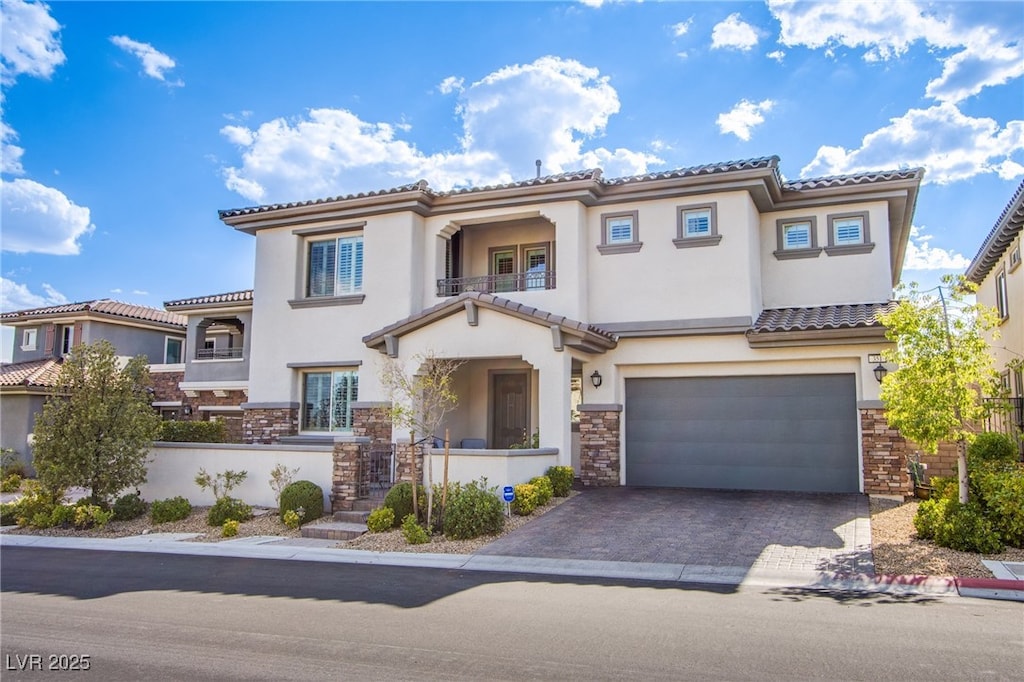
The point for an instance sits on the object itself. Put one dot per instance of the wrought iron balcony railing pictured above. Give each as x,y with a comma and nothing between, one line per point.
218,353
496,284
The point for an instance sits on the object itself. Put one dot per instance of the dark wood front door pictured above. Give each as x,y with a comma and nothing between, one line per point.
510,420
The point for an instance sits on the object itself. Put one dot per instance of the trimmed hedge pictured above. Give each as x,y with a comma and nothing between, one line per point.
171,509
304,495
128,507
561,480
399,500
228,509
473,510
192,431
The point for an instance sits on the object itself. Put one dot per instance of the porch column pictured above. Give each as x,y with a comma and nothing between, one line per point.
554,392
884,455
345,478
599,444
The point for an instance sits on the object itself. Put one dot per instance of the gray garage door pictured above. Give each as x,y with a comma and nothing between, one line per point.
743,433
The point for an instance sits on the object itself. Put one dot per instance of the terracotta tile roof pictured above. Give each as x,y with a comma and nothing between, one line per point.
492,302
231,297
420,186
771,162
999,238
845,316
41,373
103,306
854,179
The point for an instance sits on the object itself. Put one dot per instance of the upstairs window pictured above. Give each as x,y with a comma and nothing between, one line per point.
173,350
1002,298
28,339
327,399
797,238
849,233
335,267
620,233
697,226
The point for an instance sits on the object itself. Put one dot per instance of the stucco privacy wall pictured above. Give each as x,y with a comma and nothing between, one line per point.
328,334
662,282
173,468
827,279
499,467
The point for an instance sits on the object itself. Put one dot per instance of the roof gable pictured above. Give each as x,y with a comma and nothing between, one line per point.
999,238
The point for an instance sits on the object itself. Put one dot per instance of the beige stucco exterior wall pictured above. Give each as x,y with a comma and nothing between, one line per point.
827,280
1010,343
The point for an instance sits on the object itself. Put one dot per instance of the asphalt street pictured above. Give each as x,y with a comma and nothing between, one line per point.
161,616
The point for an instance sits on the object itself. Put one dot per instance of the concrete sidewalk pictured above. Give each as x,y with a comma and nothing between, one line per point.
283,549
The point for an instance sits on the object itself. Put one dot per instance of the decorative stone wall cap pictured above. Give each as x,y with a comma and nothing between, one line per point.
352,439
473,452
599,407
371,405
870,405
252,447
270,406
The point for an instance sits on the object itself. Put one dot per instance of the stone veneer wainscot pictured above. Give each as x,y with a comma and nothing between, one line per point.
599,444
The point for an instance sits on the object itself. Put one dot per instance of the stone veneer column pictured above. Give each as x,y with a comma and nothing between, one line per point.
373,420
345,477
268,422
403,461
884,451
599,444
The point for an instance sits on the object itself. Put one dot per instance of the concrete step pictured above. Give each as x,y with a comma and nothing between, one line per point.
351,516
368,504
333,530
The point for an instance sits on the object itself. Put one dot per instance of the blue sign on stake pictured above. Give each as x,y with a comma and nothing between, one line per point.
508,493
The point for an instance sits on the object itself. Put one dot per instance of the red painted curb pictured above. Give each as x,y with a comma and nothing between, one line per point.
990,584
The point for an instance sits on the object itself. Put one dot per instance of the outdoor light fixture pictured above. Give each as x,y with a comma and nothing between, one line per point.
880,372
187,410
595,379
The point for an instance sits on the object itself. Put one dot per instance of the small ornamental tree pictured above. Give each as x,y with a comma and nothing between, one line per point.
943,367
96,428
419,402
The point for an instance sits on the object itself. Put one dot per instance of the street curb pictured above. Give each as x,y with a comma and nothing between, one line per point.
991,588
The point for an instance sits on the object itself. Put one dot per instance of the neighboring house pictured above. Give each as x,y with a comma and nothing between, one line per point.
216,377
43,336
997,271
710,326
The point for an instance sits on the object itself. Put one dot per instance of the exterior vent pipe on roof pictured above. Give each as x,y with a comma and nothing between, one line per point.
538,167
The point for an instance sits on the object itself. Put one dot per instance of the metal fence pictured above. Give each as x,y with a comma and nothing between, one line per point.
376,471
1007,416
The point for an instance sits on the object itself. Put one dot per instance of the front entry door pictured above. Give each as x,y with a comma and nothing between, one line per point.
510,421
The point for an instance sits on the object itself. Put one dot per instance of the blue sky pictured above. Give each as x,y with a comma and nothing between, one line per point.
126,126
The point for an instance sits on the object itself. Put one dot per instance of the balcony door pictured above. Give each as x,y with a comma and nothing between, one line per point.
503,269
510,409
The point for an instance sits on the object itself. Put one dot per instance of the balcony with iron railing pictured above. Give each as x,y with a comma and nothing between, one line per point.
218,353
497,284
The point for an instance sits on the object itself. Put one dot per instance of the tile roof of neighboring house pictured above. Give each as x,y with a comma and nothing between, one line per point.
243,296
999,237
39,373
596,335
594,174
103,306
844,316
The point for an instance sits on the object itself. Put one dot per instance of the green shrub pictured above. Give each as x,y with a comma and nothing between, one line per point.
292,519
966,529
527,499
561,480
380,519
10,463
930,513
228,509
399,500
10,483
545,491
171,509
193,431
8,514
91,516
1001,495
945,487
36,502
305,496
993,447
221,483
128,507
473,510
63,515
230,528
413,532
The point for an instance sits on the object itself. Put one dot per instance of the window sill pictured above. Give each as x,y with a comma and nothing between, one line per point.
27,348
690,242
609,249
849,249
797,253
325,301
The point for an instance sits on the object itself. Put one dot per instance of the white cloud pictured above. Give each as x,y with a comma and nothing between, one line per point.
949,144
14,296
140,292
886,30
450,84
777,55
743,118
680,29
155,63
40,219
548,109
29,43
10,154
921,255
734,33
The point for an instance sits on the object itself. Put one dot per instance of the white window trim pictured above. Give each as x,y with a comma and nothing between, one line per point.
1002,296
1014,258
29,339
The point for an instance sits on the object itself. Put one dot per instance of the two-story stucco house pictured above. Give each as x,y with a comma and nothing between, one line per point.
43,336
997,271
703,327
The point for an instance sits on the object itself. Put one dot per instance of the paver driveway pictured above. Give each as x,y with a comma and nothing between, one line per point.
780,531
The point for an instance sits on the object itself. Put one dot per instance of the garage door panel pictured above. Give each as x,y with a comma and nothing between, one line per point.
763,433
